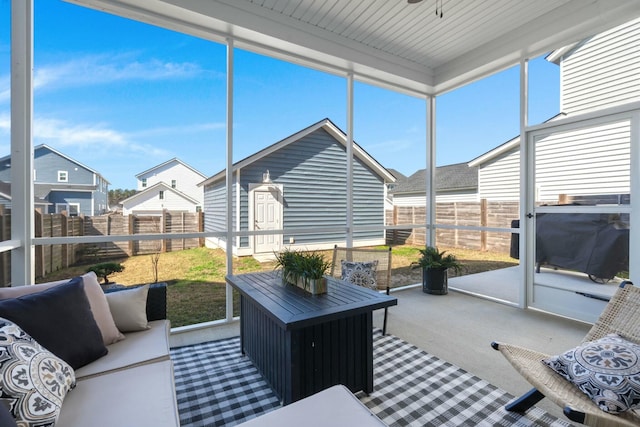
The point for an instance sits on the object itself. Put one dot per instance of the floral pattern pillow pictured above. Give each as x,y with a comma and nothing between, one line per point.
360,273
607,370
33,381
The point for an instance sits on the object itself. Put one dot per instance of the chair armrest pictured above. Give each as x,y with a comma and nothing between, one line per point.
156,299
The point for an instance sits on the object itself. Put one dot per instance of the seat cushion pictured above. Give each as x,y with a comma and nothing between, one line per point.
33,381
97,301
335,406
60,319
607,370
139,348
139,396
360,273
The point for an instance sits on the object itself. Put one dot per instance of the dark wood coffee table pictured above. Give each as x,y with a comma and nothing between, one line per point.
302,343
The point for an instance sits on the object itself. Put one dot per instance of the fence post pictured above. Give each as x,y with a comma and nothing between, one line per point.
64,229
563,199
394,221
484,220
132,231
163,222
39,249
4,256
201,227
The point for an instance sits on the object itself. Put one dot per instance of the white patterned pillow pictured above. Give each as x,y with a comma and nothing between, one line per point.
33,381
360,273
607,370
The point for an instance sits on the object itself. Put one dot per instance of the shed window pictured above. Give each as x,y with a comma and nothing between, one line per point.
63,176
161,195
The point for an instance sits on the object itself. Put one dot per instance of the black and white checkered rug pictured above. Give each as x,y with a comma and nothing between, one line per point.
217,386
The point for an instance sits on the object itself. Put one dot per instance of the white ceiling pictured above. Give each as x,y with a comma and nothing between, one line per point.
390,43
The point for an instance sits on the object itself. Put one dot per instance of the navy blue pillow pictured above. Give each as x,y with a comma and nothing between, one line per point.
6,419
60,320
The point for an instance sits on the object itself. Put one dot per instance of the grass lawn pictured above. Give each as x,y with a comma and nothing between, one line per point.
196,288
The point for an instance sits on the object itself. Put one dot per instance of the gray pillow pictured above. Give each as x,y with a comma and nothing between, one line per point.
60,320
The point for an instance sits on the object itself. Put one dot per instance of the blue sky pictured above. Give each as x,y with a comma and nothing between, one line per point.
121,96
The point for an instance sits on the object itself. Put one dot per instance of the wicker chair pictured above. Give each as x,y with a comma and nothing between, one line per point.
383,269
622,316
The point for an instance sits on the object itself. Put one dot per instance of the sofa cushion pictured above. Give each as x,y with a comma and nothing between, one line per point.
140,396
139,348
60,319
335,406
97,301
33,381
129,309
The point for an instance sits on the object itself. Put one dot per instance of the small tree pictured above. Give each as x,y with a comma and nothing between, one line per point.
104,269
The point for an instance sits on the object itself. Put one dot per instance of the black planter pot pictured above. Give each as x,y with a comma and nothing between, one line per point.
435,281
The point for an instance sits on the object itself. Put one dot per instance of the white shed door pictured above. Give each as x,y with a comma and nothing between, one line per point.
266,217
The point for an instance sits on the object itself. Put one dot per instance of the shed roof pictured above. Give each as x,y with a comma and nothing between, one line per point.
327,125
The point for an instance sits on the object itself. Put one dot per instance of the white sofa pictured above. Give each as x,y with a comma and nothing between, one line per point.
132,385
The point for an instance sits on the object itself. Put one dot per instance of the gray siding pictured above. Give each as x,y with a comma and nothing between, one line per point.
80,197
215,207
47,164
313,174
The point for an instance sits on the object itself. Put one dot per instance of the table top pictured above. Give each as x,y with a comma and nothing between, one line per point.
293,308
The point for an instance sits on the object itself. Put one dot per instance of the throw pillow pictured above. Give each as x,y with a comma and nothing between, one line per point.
97,301
33,381
60,319
360,273
607,370
129,308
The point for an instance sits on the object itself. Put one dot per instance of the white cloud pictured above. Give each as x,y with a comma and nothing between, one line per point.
105,69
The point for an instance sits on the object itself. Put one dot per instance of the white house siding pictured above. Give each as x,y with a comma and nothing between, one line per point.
186,179
603,71
589,161
151,203
499,179
420,200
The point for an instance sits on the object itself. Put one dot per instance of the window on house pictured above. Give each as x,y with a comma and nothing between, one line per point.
173,183
144,182
161,195
63,176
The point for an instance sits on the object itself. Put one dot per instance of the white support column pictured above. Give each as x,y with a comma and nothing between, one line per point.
431,171
349,193
526,190
22,215
229,177
634,220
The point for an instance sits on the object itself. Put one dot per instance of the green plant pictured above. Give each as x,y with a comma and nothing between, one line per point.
298,265
104,269
431,257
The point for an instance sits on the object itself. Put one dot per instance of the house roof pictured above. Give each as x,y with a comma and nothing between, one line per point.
47,147
5,191
458,176
176,160
387,43
160,186
325,124
397,174
504,147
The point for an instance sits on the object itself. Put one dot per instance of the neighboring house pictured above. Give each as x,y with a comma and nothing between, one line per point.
595,73
63,184
299,182
5,198
172,185
453,183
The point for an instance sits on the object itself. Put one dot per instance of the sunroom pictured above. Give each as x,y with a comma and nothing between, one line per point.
403,47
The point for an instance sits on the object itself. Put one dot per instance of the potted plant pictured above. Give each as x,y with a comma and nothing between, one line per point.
304,269
435,265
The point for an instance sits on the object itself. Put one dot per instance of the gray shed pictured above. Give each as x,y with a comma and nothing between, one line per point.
300,183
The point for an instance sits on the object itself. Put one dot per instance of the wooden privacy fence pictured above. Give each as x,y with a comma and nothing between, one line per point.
478,214
166,223
49,258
